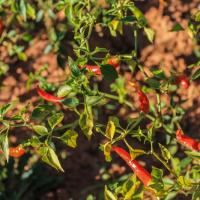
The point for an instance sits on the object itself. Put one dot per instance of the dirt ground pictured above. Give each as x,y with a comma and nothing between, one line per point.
170,50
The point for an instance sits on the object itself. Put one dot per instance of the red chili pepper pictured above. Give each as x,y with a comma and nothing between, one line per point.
94,68
144,101
16,152
183,81
187,141
1,27
47,96
114,61
140,172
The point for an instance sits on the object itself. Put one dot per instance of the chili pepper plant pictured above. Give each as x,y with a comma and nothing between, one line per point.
175,166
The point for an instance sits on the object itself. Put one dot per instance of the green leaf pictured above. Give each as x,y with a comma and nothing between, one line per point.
119,87
74,67
55,119
4,145
41,112
107,149
34,142
70,138
110,130
177,27
108,195
196,74
153,83
31,11
156,173
142,21
193,154
49,156
22,7
158,73
71,102
150,34
196,193
64,91
86,121
5,108
109,72
93,100
165,152
22,56
41,130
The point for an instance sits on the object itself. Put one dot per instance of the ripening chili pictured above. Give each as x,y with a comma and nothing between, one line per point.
47,96
187,141
140,172
94,68
1,27
15,152
183,81
114,61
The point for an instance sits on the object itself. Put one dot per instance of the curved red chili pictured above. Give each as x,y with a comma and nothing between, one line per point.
1,27
15,152
183,81
94,68
47,96
187,141
144,101
140,172
114,61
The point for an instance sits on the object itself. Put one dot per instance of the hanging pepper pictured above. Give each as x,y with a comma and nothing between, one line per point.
15,152
187,141
47,96
1,27
144,101
183,81
140,172
114,61
94,68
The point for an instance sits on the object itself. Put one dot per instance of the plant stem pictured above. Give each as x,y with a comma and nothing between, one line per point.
163,162
110,96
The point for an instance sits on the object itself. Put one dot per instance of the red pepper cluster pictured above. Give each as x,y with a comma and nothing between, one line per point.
140,172
15,152
187,141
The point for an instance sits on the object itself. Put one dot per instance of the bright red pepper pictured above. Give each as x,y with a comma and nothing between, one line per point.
48,97
1,27
187,141
94,68
114,61
144,101
15,152
183,81
140,172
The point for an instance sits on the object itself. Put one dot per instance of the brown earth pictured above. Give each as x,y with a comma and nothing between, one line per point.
170,50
